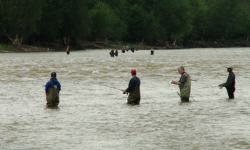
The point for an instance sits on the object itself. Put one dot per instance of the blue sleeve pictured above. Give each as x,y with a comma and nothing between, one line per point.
48,84
131,85
59,86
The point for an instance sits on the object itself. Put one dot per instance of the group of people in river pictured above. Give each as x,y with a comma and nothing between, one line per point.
127,48
113,53
124,49
53,87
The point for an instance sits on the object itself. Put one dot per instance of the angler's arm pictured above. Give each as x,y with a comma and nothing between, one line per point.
131,86
177,83
228,83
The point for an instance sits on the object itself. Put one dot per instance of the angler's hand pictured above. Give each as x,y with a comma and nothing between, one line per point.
221,86
124,92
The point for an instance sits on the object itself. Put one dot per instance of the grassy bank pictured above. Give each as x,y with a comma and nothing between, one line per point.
4,48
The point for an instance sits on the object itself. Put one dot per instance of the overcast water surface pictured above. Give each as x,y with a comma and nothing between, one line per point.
93,113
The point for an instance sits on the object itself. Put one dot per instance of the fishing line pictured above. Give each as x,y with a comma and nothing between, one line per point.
180,96
170,82
114,88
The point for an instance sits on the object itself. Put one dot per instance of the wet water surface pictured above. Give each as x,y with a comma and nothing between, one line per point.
93,113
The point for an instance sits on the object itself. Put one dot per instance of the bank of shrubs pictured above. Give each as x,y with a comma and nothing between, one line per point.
149,21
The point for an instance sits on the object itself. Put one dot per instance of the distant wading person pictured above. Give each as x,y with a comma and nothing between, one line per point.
152,51
116,52
52,89
123,49
132,49
133,89
230,84
216,45
68,50
184,85
112,53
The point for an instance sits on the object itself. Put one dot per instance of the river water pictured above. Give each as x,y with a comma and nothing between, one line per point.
92,114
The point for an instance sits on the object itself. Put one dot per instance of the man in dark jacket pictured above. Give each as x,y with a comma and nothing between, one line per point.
152,51
52,89
133,89
116,52
112,53
230,84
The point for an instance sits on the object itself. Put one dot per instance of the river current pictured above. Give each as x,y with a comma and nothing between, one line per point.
93,113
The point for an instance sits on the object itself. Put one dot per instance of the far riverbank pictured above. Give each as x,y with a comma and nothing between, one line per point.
7,48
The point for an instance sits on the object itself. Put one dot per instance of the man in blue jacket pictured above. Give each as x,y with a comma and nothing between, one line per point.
52,89
133,89
230,84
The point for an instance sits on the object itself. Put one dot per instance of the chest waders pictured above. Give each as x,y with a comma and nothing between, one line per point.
135,95
53,95
185,89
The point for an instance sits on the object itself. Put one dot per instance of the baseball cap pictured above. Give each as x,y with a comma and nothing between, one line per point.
133,71
53,74
230,67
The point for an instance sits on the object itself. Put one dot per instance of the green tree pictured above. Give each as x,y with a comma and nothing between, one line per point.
245,5
175,19
226,19
76,21
200,19
18,18
141,24
104,20
51,20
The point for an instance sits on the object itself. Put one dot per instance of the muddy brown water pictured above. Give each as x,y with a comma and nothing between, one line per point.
93,116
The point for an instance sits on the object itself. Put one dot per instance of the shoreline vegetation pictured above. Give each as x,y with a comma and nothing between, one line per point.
39,25
48,47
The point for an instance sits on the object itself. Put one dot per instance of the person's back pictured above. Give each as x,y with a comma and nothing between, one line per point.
52,89
134,94
133,89
112,53
132,49
116,52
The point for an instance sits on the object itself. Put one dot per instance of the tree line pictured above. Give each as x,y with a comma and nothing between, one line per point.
149,21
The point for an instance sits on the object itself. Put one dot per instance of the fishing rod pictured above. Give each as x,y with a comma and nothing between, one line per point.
180,96
217,86
115,88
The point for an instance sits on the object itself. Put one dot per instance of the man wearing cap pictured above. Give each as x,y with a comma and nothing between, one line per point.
230,84
133,89
184,85
52,89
